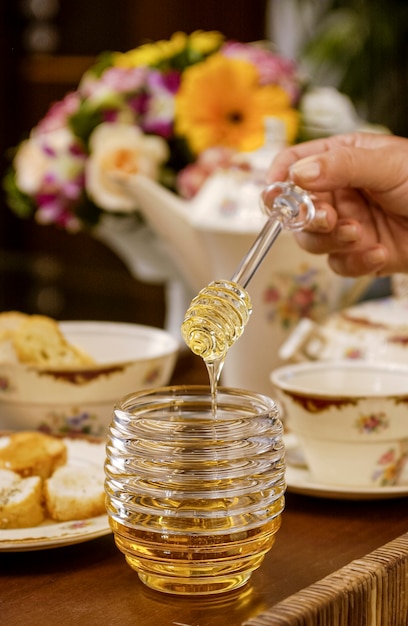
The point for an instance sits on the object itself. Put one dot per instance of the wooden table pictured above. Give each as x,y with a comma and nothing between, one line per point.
91,584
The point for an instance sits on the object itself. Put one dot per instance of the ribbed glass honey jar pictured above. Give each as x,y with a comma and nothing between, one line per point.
195,499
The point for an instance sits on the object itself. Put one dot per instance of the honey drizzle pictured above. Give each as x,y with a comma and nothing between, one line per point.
214,321
214,369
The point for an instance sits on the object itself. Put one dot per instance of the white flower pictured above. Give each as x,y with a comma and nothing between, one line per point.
99,94
118,151
46,159
325,111
31,165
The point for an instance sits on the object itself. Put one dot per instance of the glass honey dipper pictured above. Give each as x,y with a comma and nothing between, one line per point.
218,314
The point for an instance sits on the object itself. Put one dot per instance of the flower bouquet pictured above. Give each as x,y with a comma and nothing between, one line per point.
172,110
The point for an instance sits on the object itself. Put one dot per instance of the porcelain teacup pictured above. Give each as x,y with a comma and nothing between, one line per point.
350,419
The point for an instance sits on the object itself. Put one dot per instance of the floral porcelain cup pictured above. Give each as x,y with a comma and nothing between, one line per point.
350,419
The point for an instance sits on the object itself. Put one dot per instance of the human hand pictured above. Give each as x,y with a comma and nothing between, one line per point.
359,183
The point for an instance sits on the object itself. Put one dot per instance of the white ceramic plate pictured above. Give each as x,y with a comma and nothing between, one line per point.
299,480
51,534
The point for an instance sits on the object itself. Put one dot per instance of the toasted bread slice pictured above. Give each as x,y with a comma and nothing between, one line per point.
10,321
21,500
7,352
32,453
74,492
38,340
8,478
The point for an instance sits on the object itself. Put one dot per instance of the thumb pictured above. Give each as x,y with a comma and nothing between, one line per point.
378,171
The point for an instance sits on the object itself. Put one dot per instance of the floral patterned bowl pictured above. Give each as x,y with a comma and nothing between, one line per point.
128,357
350,418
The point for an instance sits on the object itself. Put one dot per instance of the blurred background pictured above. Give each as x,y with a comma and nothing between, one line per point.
361,46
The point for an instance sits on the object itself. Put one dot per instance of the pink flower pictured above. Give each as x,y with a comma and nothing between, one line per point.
273,69
59,113
271,295
114,80
303,300
158,116
53,209
50,168
124,80
191,178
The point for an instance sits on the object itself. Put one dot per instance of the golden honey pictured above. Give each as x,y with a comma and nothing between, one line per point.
199,564
215,319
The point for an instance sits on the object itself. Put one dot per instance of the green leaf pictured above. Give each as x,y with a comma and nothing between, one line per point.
84,122
103,61
341,36
20,203
90,214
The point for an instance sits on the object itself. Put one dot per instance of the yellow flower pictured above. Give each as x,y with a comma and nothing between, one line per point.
220,103
152,53
205,42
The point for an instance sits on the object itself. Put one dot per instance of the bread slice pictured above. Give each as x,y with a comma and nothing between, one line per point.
38,340
21,501
7,352
74,493
9,322
8,478
31,453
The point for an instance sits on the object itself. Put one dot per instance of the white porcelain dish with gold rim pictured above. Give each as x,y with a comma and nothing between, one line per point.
52,534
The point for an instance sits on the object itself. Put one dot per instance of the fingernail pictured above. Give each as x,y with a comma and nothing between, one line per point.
347,233
320,219
306,169
375,257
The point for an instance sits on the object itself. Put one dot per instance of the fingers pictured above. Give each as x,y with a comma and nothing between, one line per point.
340,238
281,164
359,185
346,167
325,218
348,252
361,160
350,262
360,263
341,212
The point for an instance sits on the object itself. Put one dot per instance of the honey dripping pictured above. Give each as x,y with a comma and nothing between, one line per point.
217,316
